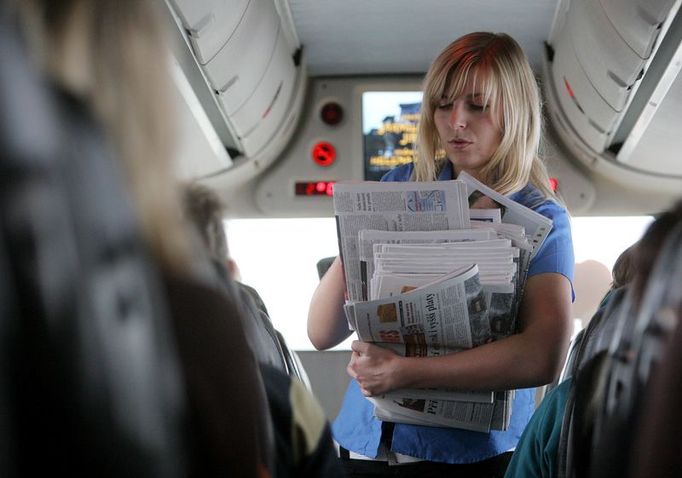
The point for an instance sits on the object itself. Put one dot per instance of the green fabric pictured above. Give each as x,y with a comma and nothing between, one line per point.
536,453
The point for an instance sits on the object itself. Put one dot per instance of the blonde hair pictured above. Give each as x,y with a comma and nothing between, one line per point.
112,53
498,68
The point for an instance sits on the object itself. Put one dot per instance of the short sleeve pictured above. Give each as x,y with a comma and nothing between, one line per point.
556,253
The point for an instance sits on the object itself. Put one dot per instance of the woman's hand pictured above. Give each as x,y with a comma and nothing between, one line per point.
375,368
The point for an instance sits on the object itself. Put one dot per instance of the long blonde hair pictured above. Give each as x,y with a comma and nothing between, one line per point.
112,53
499,69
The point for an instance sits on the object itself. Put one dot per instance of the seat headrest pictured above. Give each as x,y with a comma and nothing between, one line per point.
89,378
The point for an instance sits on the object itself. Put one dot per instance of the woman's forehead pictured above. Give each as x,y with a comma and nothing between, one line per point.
472,84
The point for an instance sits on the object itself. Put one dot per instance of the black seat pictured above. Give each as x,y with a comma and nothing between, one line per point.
598,334
587,365
656,449
89,379
324,264
606,398
633,363
265,341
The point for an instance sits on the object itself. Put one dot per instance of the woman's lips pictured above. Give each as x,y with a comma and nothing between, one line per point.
459,143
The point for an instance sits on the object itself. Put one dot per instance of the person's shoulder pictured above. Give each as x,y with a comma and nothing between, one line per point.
304,440
531,197
290,396
253,294
399,173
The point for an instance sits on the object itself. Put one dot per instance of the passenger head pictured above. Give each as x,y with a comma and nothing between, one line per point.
204,210
648,247
623,269
113,55
493,67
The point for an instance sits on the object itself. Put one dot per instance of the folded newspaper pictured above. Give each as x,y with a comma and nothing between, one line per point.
409,206
427,276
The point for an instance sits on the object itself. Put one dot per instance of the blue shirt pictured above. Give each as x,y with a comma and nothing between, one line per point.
356,428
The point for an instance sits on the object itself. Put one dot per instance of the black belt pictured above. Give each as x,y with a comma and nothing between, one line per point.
386,439
387,434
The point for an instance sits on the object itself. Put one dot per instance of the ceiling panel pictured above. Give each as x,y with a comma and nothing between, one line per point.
658,148
364,37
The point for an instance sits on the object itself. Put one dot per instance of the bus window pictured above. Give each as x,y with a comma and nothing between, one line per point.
598,241
278,257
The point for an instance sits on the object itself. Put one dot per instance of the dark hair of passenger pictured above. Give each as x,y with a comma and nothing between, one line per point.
204,210
623,269
649,246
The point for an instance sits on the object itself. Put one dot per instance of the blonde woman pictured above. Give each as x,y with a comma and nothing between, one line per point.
480,114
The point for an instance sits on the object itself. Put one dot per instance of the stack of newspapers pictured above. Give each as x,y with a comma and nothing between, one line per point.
434,268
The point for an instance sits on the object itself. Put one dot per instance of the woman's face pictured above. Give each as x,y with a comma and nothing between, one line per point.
468,132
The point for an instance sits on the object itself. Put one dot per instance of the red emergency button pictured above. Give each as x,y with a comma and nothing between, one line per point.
324,153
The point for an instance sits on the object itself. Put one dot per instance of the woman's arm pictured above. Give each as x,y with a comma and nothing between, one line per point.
530,358
327,324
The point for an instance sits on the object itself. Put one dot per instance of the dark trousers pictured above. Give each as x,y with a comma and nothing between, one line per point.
494,467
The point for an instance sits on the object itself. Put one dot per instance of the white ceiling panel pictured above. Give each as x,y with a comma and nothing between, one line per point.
364,37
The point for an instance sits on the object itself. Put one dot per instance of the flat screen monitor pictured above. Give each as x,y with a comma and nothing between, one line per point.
389,127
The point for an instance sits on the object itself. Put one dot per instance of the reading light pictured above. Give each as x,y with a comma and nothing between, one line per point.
324,153
553,183
331,113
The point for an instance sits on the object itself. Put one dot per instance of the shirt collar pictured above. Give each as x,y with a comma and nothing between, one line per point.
446,173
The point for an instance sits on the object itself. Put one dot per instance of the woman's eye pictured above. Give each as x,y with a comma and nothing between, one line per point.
476,107
444,106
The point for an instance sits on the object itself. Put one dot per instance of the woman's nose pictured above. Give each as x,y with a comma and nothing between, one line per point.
457,117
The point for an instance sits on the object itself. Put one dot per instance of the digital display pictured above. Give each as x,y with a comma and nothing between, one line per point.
389,127
314,188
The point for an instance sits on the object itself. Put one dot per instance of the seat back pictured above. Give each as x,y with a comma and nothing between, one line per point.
656,449
260,333
323,265
635,359
598,334
605,402
587,365
89,379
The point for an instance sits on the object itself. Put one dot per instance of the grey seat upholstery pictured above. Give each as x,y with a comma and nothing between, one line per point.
89,379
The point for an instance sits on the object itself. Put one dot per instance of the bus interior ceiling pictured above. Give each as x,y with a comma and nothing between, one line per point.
608,72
